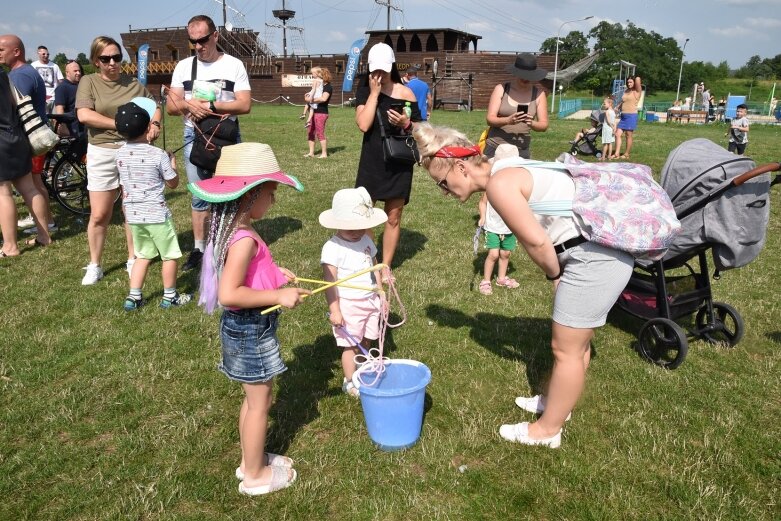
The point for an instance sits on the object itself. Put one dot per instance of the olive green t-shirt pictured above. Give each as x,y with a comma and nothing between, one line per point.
105,97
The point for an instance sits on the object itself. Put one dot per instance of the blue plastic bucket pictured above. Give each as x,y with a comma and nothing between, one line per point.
393,406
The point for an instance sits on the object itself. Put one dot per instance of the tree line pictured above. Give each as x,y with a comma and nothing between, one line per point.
654,55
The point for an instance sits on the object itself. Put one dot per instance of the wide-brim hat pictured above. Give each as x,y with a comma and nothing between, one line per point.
525,67
381,57
352,209
241,168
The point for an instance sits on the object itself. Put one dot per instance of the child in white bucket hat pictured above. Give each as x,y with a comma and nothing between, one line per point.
353,312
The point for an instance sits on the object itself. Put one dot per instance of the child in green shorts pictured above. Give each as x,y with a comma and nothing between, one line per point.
499,240
144,172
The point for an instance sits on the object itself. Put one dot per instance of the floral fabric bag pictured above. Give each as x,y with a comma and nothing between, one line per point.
619,204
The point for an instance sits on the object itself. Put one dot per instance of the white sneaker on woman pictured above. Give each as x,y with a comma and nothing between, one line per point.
519,433
93,275
534,404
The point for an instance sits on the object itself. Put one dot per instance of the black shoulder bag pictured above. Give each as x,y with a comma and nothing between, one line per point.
211,134
398,148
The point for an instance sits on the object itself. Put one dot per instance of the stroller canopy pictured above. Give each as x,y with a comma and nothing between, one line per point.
734,223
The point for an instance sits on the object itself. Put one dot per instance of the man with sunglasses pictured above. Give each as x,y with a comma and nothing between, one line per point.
50,73
215,84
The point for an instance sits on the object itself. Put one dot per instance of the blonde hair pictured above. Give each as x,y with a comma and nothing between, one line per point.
100,43
325,74
314,71
431,139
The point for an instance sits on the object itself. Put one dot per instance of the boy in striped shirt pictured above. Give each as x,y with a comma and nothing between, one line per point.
144,172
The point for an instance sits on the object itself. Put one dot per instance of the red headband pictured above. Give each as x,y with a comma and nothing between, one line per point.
458,152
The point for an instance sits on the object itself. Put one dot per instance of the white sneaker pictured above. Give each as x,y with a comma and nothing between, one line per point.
52,228
534,405
129,266
26,222
519,433
93,275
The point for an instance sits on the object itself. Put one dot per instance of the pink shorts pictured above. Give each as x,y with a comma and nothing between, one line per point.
317,128
361,319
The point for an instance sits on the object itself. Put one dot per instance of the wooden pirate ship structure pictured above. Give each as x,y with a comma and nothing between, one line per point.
461,76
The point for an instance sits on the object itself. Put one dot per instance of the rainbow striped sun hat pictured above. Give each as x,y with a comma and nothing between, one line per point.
241,168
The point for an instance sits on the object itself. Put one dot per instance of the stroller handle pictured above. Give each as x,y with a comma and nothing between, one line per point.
761,169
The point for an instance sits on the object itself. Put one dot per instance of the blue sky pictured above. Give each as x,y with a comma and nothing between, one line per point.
731,30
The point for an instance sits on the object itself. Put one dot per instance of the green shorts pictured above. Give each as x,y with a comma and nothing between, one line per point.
149,240
500,241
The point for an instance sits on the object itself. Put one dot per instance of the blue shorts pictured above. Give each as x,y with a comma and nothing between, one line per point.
250,347
628,121
194,173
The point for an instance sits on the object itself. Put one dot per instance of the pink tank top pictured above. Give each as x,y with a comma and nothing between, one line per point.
262,273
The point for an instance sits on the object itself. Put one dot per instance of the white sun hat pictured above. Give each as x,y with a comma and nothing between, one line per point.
351,209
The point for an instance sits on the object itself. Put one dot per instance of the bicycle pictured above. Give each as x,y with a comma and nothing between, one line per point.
65,170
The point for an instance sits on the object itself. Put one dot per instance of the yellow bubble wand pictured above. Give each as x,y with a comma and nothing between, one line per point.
327,285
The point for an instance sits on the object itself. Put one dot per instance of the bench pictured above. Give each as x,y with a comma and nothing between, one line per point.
440,103
690,116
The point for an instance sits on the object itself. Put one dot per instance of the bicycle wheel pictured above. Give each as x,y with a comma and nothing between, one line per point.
69,184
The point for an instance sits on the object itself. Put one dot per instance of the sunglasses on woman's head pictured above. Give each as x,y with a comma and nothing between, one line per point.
200,41
106,59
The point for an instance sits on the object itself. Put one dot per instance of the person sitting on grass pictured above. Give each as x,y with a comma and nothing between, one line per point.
144,172
499,240
353,312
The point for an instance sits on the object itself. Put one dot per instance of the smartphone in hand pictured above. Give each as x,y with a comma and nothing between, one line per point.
398,107
523,108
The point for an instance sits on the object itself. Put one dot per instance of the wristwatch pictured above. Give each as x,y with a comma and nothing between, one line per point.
156,123
212,107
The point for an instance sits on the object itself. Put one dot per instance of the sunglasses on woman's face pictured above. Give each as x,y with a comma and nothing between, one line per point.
106,59
442,183
200,41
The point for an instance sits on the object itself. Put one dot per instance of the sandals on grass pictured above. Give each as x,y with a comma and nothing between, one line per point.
485,287
507,282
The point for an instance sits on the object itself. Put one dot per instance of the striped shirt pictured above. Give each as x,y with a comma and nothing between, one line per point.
143,170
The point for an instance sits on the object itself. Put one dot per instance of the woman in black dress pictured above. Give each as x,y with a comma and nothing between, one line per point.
16,158
389,182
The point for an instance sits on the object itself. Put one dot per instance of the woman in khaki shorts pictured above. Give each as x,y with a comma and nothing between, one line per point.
97,99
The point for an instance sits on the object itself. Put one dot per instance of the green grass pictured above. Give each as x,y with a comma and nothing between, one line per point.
113,415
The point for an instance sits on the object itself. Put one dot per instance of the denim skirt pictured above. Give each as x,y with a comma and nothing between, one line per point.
250,347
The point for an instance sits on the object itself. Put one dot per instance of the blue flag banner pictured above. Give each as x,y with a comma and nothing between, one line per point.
352,64
143,53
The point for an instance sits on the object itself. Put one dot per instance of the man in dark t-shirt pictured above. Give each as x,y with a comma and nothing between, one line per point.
65,97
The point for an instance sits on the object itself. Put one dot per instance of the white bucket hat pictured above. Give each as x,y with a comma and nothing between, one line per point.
351,209
381,57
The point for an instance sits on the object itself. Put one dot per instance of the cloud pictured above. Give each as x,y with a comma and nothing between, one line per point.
48,16
764,23
751,3
731,32
335,36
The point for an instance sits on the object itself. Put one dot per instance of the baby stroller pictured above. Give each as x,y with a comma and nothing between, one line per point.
587,145
723,203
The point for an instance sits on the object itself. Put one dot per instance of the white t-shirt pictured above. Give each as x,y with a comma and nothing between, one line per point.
215,81
738,136
349,258
51,74
143,170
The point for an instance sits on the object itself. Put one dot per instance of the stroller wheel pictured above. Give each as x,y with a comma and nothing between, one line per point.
663,342
725,327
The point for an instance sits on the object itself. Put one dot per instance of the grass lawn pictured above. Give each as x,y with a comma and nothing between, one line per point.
112,415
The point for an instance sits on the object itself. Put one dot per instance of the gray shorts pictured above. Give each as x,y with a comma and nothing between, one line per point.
593,277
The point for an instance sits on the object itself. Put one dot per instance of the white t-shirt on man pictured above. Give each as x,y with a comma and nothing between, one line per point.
51,74
215,81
